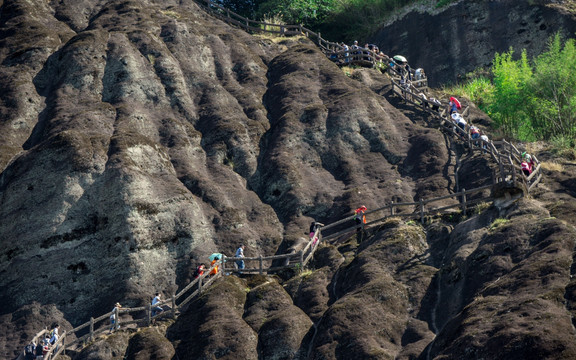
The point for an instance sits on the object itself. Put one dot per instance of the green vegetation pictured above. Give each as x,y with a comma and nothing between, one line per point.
481,207
308,12
498,223
531,100
337,20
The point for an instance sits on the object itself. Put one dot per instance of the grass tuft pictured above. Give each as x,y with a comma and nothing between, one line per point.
552,166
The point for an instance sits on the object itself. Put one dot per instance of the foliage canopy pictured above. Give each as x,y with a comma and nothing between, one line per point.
531,100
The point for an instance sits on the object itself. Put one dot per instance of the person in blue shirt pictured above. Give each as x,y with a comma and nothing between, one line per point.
240,254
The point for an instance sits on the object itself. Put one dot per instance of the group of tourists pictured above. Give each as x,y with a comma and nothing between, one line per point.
355,52
38,351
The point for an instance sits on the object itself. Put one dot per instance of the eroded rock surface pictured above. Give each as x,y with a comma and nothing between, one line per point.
140,137
453,41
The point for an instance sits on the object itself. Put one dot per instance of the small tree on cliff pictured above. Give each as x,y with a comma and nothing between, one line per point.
510,81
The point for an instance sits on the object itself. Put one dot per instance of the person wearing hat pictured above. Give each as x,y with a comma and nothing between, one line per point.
355,47
240,254
114,318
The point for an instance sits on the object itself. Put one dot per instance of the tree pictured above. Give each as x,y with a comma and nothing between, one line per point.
509,109
553,87
294,12
246,8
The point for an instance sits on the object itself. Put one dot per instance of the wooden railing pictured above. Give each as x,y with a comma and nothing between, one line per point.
254,26
100,325
293,260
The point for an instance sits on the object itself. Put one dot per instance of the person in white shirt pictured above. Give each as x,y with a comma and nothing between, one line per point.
240,254
156,309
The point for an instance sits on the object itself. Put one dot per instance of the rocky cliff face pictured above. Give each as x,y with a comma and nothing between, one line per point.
139,137
466,35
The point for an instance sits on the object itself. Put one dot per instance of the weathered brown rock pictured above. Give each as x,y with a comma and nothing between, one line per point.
459,38
138,137
112,347
150,344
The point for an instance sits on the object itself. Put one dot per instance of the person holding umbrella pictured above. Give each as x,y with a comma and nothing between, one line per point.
214,259
454,105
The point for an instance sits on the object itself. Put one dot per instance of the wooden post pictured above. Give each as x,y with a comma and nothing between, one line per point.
223,266
228,13
422,210
149,314
174,306
261,265
91,329
301,260
392,208
300,27
463,201
456,178
282,30
502,174
319,38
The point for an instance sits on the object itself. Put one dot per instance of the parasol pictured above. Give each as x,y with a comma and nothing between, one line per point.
455,101
219,255
400,58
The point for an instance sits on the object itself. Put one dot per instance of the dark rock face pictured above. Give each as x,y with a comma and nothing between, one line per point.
467,34
139,137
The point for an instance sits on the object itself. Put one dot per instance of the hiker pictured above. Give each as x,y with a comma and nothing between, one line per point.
199,270
525,168
360,220
419,74
474,132
423,97
529,160
114,318
453,106
30,351
156,309
360,217
346,54
436,103
485,141
459,120
355,47
214,265
44,348
40,348
334,56
315,225
408,71
54,334
240,254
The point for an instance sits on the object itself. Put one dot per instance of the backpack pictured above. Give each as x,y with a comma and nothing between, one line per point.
29,349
